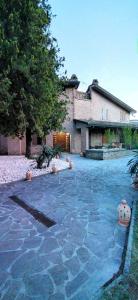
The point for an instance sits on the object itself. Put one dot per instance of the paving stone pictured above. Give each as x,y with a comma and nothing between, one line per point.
49,244
16,235
77,233
59,274
32,243
54,258
83,254
73,265
39,284
10,245
2,219
69,249
92,264
93,244
82,208
29,263
13,290
22,296
3,277
7,259
81,296
41,228
57,296
76,283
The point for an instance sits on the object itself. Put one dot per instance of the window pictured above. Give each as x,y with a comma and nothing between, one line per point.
122,115
104,114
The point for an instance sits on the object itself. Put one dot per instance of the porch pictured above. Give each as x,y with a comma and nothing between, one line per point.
93,135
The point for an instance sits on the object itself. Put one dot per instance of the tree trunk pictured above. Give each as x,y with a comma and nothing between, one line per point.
28,142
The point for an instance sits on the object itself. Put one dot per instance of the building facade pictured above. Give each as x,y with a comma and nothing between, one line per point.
89,115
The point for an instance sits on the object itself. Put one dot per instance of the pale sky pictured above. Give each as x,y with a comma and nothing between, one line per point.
99,39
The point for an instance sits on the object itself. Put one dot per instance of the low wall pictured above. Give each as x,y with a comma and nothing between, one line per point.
101,154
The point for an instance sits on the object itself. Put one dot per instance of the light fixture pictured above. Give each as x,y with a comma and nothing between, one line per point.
29,175
124,212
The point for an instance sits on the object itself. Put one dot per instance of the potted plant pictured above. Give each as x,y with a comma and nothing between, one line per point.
133,169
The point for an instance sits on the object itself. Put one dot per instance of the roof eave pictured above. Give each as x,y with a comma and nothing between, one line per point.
112,98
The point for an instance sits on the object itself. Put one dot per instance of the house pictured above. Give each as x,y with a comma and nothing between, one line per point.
90,113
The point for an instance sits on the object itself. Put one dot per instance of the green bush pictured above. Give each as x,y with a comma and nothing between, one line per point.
109,136
46,155
133,164
127,137
135,139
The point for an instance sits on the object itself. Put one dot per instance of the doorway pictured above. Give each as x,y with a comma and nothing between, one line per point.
62,139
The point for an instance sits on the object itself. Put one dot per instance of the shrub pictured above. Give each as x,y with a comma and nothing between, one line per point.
127,136
133,164
46,155
135,139
109,136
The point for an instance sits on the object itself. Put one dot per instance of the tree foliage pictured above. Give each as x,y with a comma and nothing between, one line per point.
109,136
127,136
135,139
29,68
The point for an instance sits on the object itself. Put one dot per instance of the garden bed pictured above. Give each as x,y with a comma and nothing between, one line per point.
13,168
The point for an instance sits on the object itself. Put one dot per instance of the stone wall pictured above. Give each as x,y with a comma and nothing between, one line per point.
101,154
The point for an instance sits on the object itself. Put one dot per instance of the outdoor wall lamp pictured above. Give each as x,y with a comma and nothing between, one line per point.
124,212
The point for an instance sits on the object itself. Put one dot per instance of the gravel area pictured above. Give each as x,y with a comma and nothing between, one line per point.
14,168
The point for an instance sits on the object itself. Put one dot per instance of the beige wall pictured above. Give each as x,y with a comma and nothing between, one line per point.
16,146
100,103
68,125
49,140
96,109
83,109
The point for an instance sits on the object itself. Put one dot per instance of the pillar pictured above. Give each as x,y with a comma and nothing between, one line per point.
84,139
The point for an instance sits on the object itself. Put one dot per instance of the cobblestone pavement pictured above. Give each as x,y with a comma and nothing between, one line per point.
75,257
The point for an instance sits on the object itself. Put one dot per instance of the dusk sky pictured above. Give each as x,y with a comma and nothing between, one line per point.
99,39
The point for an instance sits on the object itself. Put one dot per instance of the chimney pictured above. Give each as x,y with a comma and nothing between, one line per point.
95,82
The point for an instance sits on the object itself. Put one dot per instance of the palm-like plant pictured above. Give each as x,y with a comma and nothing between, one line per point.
46,155
133,165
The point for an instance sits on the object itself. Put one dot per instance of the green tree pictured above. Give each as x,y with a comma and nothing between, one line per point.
127,136
135,139
29,68
109,136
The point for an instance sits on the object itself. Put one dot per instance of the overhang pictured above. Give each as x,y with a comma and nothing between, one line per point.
105,124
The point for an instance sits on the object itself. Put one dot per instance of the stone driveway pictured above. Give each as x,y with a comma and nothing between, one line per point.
74,258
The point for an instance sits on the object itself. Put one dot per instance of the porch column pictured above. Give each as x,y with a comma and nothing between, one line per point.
84,139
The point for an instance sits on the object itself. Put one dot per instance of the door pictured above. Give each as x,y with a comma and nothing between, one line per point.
62,139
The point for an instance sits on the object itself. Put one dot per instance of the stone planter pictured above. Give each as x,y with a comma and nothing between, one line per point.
101,154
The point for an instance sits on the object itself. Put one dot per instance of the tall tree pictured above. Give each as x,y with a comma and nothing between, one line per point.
29,68
127,136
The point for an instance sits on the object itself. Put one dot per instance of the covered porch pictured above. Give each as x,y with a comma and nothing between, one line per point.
93,134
